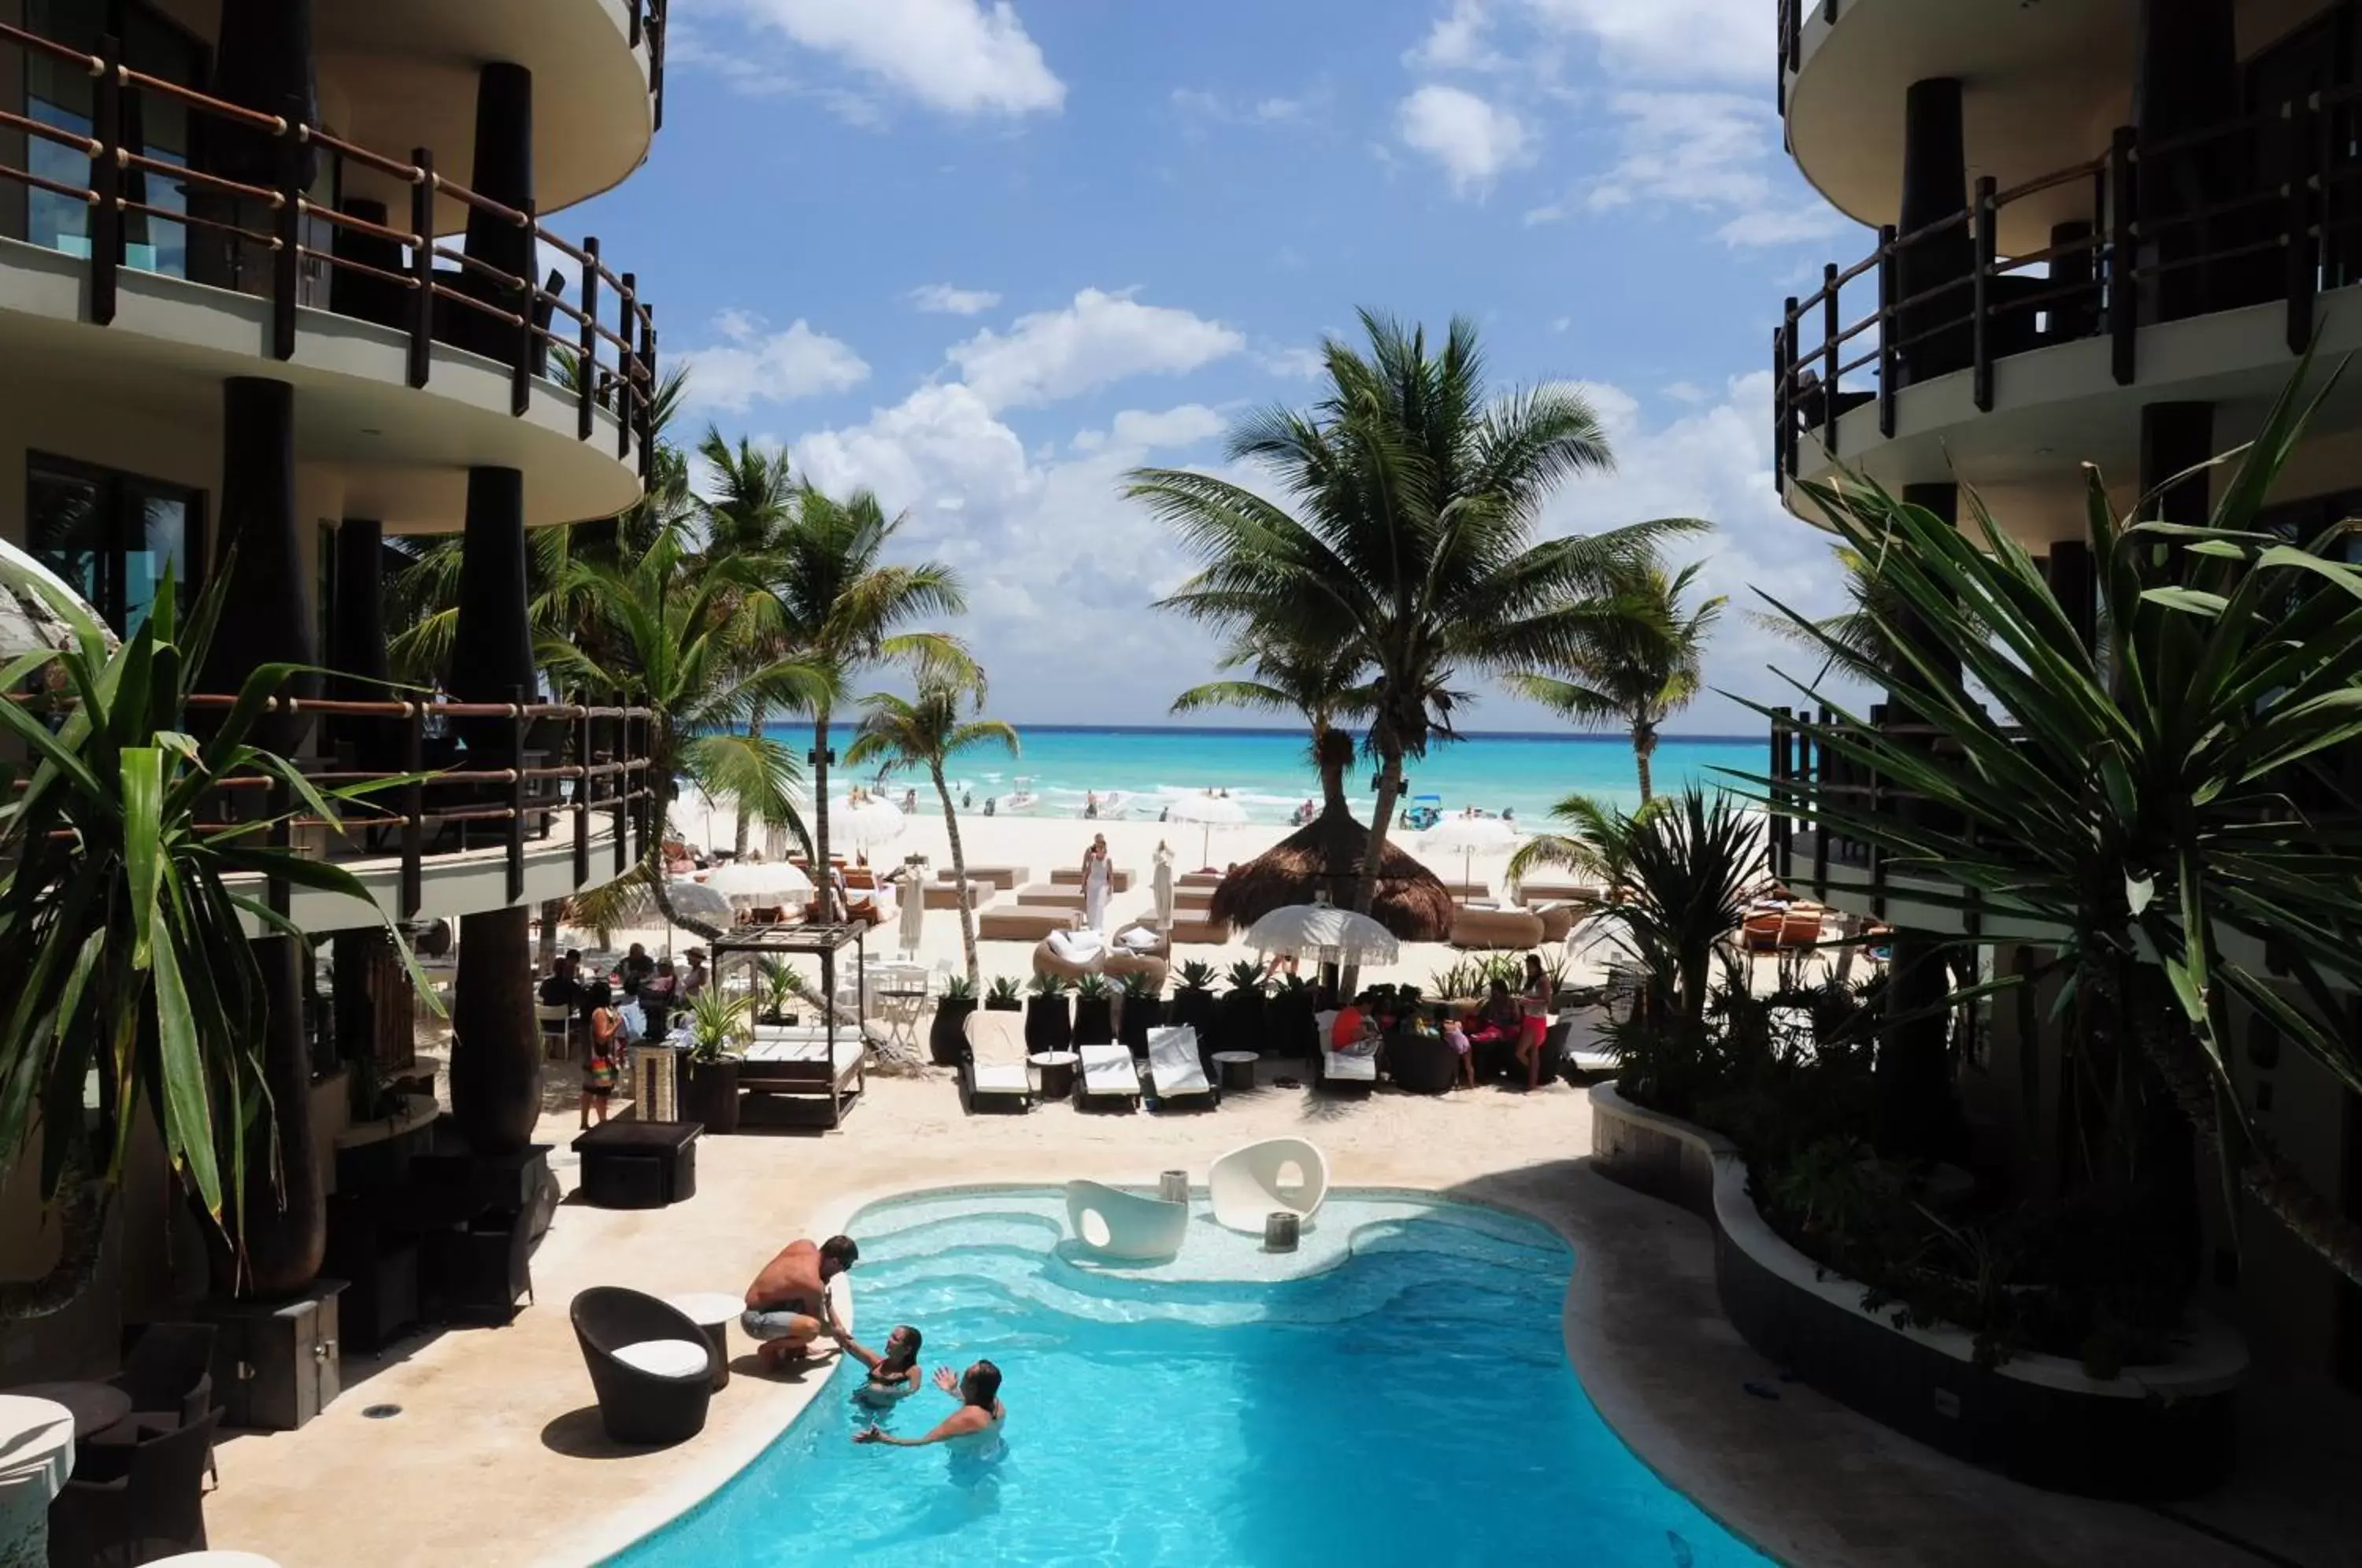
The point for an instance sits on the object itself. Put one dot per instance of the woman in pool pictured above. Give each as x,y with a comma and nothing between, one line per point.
974,1425
893,1376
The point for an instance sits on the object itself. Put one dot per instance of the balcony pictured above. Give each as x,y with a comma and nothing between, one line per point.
2045,299
285,258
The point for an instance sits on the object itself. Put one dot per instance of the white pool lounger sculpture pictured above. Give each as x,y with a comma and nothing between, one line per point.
1130,1226
1249,1184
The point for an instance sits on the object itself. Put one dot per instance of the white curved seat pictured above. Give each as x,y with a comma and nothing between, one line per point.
1246,1184
1138,1227
666,1358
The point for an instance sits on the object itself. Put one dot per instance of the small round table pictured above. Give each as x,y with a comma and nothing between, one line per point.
1056,1069
713,1311
1237,1067
94,1406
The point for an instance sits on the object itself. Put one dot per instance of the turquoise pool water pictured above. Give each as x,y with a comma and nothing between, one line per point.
1396,1392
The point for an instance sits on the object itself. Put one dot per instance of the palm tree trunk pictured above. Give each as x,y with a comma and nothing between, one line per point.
754,733
1642,746
1382,816
553,912
830,910
959,878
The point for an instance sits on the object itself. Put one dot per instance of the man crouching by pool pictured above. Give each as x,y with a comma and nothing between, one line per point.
788,1300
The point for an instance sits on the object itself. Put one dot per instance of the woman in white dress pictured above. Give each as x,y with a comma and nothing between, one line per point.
1095,883
1164,887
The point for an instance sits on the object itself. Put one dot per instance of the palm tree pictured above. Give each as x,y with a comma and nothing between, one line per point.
1327,686
1638,666
926,731
677,634
824,593
1405,540
747,515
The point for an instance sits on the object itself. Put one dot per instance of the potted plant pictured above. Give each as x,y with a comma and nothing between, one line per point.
1241,1008
1003,997
775,985
718,1031
1049,1024
1194,1003
1094,1011
1143,1008
949,1031
1288,1019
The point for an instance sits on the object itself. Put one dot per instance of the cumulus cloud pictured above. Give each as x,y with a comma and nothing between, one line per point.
1458,41
751,366
1682,39
968,56
1472,140
942,298
1099,339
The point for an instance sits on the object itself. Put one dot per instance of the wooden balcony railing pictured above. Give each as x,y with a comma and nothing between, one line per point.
647,26
2275,216
377,268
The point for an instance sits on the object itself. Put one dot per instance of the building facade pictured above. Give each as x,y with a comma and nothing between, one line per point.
2105,231
280,280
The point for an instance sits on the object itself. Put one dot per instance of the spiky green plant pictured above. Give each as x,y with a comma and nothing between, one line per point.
718,1025
1004,988
1091,988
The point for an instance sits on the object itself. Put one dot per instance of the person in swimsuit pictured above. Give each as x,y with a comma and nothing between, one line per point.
598,1062
893,1376
1534,999
786,1304
979,1416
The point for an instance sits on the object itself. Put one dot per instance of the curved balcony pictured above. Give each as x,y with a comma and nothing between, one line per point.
2012,341
419,355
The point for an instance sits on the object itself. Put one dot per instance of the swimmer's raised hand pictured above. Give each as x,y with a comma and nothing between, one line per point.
869,1434
948,1381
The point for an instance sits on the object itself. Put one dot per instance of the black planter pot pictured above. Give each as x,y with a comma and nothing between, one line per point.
1141,1014
1094,1021
949,1032
1287,1025
1049,1025
1241,1020
709,1093
1004,1004
1201,1011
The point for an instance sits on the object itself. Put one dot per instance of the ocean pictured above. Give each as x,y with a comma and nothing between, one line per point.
1269,771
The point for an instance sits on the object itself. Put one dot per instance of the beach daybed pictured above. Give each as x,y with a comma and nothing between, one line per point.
1107,1074
1536,893
1001,877
1046,896
650,1365
992,1061
1119,880
1251,1184
1137,1228
1070,953
1462,892
945,896
1496,928
1558,922
793,1059
1005,923
1198,932
1175,1070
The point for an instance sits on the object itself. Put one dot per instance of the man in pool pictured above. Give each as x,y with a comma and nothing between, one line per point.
786,1304
978,1417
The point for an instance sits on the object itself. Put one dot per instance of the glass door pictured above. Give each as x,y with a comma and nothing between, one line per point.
113,535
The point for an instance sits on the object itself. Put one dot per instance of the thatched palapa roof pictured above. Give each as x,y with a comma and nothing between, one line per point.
1326,857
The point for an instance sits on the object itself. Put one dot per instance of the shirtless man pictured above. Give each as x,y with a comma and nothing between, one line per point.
786,1304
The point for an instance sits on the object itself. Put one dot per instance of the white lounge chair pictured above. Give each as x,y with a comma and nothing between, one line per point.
1110,1222
1251,1184
1109,1074
1337,1066
993,1065
1174,1068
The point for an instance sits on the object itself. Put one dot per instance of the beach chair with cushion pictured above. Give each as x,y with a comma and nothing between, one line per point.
1175,1070
168,1375
1070,955
1128,1227
1278,1174
992,1062
1332,1066
1109,1077
650,1365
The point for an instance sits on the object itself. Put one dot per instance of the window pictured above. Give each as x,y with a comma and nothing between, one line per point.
113,535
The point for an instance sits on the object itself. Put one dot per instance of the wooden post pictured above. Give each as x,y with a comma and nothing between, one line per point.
631,23
105,180
1779,409
659,23
2299,223
626,389
2122,261
623,786
1886,300
1831,326
516,794
584,783
647,420
1788,431
422,267
287,230
1980,294
1816,762
414,809
586,366
528,303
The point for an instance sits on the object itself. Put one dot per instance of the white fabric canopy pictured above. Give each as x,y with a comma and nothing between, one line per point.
1468,837
760,882
863,825
695,900
1323,928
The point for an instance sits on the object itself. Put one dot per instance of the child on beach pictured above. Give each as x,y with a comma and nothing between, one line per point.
1456,1036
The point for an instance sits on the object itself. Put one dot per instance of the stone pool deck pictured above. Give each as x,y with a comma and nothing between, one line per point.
497,1459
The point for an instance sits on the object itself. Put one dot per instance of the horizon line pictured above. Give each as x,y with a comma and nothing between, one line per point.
1583,736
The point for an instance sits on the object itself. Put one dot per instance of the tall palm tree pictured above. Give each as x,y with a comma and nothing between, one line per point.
825,593
1638,666
926,731
1327,686
1404,537
747,513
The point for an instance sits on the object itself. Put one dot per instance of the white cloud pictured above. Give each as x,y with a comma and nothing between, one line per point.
750,366
961,56
1457,41
1100,338
942,298
1186,426
1678,40
1710,152
1472,140
1296,364
1783,226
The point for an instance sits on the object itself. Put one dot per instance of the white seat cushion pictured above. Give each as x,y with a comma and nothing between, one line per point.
668,1358
994,1080
1338,1064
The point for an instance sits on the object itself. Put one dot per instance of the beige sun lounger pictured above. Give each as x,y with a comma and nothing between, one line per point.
1175,1069
1119,880
993,1065
1012,922
1109,1074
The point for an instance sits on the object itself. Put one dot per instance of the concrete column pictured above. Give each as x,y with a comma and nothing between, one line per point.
1935,186
2075,588
492,646
285,1228
2188,78
267,617
502,171
2174,438
1944,500
262,60
357,642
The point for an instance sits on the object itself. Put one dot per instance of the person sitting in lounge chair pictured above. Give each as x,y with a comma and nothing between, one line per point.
1357,1032
785,1303
892,1376
975,1424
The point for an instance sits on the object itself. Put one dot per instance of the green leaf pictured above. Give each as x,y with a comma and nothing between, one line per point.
180,1051
143,830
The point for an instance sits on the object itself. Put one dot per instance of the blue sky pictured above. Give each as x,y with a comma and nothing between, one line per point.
983,256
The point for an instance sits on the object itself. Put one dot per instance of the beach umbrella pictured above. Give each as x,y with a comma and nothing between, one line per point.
760,882
914,912
1209,811
36,605
866,824
695,900
1338,936
1468,837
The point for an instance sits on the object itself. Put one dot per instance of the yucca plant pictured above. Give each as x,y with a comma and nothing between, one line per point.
124,911
1196,976
2172,801
958,988
1091,988
1004,988
719,1026
1049,985
1246,976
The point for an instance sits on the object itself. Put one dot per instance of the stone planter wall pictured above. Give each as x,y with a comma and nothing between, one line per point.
2153,1433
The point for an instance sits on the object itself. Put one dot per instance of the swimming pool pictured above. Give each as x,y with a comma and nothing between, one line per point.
1396,1392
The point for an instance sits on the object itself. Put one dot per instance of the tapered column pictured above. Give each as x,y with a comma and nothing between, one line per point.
1934,187
2188,79
262,62
356,650
2176,437
491,647
502,171
266,617
1944,500
2074,587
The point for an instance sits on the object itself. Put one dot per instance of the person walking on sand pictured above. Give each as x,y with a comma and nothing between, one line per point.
787,1305
1096,877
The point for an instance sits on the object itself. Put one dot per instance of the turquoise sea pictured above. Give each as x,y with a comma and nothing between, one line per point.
1269,771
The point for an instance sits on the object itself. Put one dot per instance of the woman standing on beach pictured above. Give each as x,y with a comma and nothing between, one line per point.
1534,998
1095,883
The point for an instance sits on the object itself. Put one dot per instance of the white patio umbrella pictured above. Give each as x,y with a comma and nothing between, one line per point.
1211,812
1468,837
863,825
913,913
1338,935
760,882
